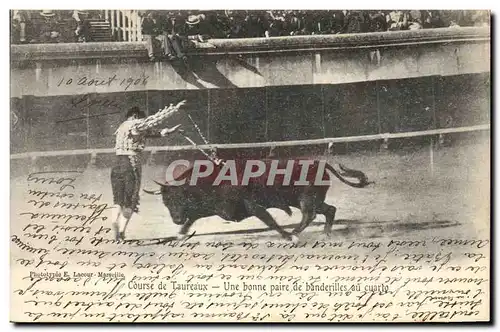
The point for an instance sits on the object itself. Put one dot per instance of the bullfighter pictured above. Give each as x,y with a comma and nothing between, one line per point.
126,173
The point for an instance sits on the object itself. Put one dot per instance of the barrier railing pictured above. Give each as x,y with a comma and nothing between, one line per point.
125,24
133,47
346,139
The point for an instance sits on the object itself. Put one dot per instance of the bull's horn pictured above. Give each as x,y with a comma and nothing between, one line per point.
158,183
151,192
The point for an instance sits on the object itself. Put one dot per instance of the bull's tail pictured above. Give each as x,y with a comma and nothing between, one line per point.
351,173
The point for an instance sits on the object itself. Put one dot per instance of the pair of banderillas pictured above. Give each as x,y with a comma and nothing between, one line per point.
211,156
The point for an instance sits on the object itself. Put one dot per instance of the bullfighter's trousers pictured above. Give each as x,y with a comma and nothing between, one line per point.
126,182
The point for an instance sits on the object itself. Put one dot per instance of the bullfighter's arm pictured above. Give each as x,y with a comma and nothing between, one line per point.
152,133
155,133
155,120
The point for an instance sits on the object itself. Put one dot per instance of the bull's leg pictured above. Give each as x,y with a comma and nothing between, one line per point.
185,228
261,213
329,212
308,209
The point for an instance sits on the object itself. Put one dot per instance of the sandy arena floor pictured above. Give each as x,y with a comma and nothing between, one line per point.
407,199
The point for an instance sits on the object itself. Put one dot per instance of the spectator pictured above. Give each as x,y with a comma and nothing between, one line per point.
21,26
82,25
356,21
160,34
377,21
324,19
307,19
294,23
450,18
480,18
174,29
337,25
254,25
238,24
149,28
397,20
167,32
276,24
49,29
432,19
211,25
196,28
415,20
18,27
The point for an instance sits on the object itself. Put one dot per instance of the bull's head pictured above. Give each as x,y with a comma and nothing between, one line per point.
175,200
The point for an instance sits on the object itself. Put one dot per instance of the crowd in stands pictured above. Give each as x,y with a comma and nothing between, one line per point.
168,30
51,26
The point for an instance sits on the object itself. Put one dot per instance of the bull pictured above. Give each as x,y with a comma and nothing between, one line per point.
236,202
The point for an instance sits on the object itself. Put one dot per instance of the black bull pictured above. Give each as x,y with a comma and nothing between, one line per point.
187,203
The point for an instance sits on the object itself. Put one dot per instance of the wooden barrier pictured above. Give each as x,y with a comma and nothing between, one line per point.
136,48
332,140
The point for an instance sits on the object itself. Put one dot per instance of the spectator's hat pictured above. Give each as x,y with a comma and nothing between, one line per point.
416,15
47,13
414,26
194,19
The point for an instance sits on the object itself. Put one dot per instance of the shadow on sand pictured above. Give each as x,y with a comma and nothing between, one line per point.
353,228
